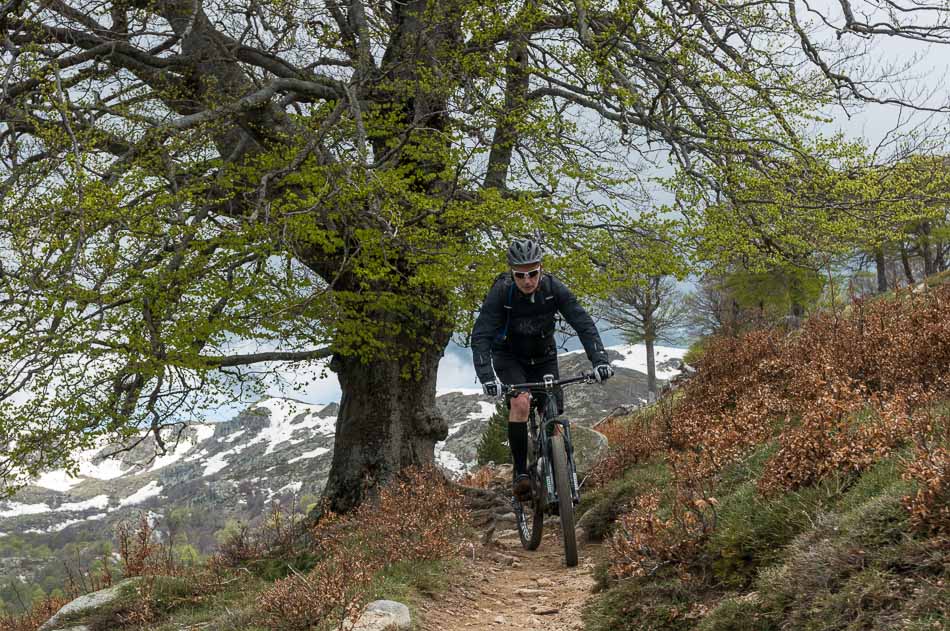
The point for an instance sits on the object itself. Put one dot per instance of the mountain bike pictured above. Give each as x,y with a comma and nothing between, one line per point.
550,466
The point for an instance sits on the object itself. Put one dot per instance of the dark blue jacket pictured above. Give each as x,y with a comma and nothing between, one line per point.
530,324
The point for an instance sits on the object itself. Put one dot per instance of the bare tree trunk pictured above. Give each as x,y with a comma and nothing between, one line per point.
881,264
905,261
651,367
387,421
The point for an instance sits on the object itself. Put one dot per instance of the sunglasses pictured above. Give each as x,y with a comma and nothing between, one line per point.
529,274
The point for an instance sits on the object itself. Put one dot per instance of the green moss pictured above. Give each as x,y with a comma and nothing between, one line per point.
160,594
738,614
232,607
659,603
859,569
749,469
752,531
940,278
274,568
411,582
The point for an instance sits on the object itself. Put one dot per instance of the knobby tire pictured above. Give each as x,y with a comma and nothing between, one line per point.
562,484
530,530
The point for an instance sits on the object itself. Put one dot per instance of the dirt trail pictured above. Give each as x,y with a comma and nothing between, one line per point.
507,587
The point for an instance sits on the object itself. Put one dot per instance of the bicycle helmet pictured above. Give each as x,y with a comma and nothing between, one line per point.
523,252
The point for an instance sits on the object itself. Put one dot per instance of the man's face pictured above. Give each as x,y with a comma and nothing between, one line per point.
527,277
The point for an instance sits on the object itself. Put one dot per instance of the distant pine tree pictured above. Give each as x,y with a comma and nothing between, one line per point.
493,446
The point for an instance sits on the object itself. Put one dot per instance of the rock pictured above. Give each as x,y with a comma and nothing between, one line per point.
85,604
542,610
382,615
500,620
589,447
503,559
544,582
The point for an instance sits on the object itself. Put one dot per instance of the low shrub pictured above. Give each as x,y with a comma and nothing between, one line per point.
418,517
39,613
601,506
631,440
929,470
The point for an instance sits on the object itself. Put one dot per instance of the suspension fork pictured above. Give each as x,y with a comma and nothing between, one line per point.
563,426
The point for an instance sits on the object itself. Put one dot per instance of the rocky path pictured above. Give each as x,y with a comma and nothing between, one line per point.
507,587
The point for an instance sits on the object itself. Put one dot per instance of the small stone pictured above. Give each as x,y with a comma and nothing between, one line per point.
500,620
503,559
544,582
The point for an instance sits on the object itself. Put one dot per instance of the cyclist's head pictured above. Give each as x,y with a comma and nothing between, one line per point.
524,256
523,252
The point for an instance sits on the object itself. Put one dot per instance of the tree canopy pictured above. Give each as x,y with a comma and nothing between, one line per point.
192,188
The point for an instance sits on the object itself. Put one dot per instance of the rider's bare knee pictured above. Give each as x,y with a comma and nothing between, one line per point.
520,407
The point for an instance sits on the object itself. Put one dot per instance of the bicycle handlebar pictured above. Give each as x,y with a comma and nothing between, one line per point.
587,377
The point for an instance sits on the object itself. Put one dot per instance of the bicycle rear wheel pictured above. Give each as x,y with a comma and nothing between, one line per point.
562,484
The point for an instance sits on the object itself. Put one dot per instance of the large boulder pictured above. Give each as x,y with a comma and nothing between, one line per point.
589,446
86,605
382,615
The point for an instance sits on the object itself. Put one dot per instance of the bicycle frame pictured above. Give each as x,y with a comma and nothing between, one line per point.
541,429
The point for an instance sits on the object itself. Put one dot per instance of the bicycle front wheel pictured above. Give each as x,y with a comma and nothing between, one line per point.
530,523
562,484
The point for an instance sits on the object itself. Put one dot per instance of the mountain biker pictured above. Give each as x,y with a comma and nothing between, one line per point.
514,332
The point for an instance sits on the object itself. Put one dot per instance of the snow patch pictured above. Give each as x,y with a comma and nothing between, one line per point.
485,413
286,417
69,522
99,502
293,487
105,469
151,489
15,509
216,462
184,446
203,431
635,358
57,480
449,461
197,456
230,437
319,451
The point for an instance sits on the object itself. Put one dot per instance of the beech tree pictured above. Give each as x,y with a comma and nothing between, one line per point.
647,310
193,189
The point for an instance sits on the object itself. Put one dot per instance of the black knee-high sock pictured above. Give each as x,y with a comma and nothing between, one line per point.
518,440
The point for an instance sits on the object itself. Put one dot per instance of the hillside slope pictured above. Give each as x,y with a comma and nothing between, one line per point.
799,481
